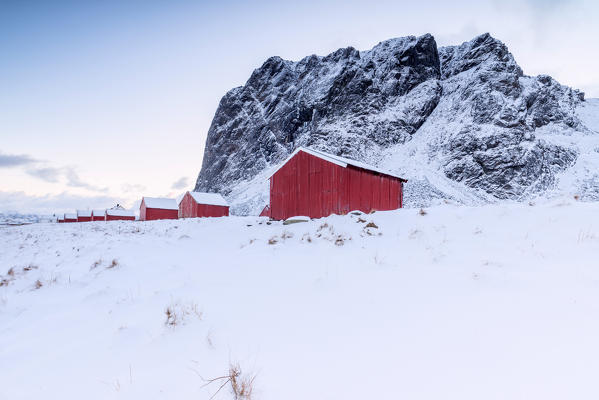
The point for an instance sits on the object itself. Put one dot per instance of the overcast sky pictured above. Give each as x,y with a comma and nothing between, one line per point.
107,101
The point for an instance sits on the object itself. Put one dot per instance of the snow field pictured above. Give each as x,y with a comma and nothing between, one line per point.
493,302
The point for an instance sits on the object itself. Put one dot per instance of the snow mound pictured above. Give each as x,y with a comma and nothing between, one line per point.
497,301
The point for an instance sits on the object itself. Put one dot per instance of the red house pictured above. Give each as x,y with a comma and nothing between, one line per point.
152,208
317,184
197,204
70,218
60,219
120,214
84,215
98,215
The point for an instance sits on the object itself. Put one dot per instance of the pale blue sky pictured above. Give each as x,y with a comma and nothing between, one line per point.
111,100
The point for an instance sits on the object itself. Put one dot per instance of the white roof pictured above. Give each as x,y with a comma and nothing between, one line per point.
341,161
118,212
213,199
161,202
70,216
98,212
84,213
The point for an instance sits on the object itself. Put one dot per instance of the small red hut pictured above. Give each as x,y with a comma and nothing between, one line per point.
152,208
318,184
120,214
84,215
197,204
265,211
70,218
98,215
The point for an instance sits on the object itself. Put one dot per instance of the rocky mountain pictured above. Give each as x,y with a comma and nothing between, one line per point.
462,123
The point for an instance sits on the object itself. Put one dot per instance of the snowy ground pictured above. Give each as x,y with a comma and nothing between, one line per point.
492,302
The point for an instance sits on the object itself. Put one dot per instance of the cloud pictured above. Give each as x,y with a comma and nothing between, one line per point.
49,204
15,160
47,174
54,175
42,171
73,180
181,183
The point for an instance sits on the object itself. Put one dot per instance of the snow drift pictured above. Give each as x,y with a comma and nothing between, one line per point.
491,302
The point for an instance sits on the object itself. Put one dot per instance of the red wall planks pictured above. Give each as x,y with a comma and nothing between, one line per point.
119,218
159,213
311,186
148,214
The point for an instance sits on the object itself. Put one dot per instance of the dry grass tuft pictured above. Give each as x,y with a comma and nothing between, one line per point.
38,284
422,212
177,314
307,238
11,272
286,235
371,225
361,221
171,317
30,267
242,386
113,264
273,240
95,264
4,282
339,241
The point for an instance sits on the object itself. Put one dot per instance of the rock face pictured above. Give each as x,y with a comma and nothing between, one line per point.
466,114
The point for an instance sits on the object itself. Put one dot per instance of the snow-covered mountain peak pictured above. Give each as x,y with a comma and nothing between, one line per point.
463,122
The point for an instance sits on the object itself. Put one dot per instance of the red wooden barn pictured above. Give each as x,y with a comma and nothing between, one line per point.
84,215
197,204
70,218
120,214
60,219
98,215
317,184
152,208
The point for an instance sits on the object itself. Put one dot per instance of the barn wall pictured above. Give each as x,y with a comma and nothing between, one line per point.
308,185
119,218
186,209
157,213
84,219
98,218
208,210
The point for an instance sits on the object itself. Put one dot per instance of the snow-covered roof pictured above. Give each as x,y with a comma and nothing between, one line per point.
98,212
213,199
84,213
70,216
341,161
161,202
118,212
